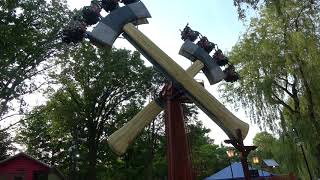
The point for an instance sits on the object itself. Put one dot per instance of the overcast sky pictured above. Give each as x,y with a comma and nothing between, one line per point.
216,19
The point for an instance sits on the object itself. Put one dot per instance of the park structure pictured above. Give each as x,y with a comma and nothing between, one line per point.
180,86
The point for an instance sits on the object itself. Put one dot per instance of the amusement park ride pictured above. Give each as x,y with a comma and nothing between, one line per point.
122,20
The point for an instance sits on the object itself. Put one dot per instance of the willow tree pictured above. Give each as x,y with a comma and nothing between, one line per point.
277,60
243,5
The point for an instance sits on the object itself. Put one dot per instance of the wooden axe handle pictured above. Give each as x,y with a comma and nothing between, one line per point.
123,137
216,111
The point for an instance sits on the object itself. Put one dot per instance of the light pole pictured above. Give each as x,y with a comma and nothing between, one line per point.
230,153
244,152
300,144
256,160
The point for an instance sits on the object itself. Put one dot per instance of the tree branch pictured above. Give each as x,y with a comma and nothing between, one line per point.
285,79
279,101
11,115
283,88
115,104
21,120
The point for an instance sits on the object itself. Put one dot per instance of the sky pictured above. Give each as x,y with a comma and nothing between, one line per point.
215,19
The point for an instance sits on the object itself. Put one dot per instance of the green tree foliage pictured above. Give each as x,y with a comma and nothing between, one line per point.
29,41
97,88
242,5
286,151
5,145
100,90
50,141
97,85
207,157
146,157
44,138
265,142
277,59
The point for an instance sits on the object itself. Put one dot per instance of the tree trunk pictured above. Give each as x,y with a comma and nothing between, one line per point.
308,93
296,100
306,84
92,174
283,123
92,154
152,146
318,158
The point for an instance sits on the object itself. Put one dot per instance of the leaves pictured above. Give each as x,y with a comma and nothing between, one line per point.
29,41
276,62
5,145
100,90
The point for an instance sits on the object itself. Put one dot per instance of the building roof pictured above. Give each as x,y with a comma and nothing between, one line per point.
22,154
270,163
237,173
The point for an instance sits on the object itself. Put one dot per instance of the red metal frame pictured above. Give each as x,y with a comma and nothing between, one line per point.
179,164
244,152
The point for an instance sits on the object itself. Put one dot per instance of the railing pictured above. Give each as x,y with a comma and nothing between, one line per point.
290,176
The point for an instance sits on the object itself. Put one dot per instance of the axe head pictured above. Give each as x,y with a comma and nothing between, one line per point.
110,27
211,68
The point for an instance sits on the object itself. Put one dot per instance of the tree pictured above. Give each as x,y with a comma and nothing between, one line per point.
277,61
54,127
265,142
49,137
254,4
29,43
96,86
5,145
280,81
44,138
285,151
207,157
49,140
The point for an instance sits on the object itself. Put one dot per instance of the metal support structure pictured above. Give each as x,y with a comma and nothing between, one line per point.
244,152
300,144
179,164
262,172
231,168
245,166
122,20
305,160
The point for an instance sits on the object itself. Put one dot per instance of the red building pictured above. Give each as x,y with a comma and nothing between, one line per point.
25,167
